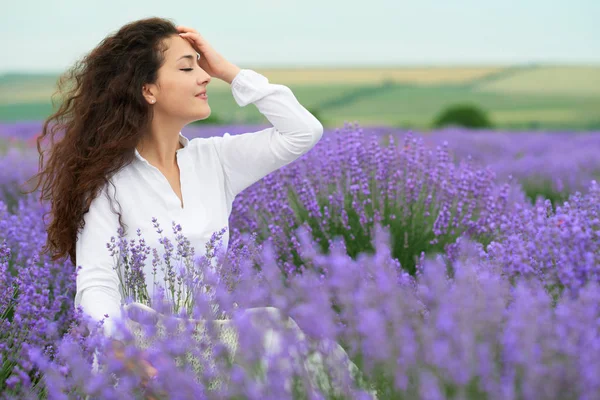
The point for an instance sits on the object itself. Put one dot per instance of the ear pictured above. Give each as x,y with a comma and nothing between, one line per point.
148,93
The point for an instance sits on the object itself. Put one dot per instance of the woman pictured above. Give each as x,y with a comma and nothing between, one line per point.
123,146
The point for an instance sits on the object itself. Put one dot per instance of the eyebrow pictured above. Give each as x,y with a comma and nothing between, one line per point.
190,56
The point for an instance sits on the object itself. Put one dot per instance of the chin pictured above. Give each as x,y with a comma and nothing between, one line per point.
205,116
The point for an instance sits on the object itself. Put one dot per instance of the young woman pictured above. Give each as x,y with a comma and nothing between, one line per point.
123,161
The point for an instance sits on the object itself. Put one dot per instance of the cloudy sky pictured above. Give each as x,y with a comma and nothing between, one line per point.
39,36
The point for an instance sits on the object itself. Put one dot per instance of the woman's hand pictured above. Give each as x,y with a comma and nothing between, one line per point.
139,367
210,61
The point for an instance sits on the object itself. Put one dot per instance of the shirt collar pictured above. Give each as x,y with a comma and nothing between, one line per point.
182,139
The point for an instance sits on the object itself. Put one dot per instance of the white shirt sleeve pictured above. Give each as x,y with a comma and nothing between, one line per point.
97,281
248,157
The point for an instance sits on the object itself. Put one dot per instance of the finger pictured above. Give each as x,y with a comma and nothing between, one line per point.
195,40
191,35
150,370
182,28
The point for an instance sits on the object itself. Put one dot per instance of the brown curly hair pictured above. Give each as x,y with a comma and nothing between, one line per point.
103,117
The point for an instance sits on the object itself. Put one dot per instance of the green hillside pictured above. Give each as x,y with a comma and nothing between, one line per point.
517,97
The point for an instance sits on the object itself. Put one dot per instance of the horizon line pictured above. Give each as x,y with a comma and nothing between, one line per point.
365,66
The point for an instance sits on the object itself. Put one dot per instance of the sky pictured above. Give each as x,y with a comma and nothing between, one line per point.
49,36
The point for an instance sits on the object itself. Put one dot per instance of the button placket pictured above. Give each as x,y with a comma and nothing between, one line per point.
176,203
181,166
174,199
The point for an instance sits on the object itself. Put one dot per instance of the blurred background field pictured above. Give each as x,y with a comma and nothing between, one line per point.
521,97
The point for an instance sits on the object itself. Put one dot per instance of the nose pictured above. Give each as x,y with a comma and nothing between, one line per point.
204,78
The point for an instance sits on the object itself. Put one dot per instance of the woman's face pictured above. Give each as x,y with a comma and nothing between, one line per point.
180,79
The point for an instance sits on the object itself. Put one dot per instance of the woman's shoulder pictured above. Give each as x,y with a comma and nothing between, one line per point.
205,148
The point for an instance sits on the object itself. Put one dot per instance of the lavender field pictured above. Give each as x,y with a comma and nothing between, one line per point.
450,264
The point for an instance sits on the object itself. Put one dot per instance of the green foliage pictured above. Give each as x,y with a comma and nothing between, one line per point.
544,188
7,193
411,232
407,125
594,125
467,115
318,113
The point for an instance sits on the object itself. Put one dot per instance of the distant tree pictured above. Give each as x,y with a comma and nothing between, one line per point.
593,126
387,82
319,115
467,115
316,112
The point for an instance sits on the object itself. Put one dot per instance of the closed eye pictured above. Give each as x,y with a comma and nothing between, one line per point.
187,69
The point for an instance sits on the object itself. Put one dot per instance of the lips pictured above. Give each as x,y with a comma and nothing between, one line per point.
202,95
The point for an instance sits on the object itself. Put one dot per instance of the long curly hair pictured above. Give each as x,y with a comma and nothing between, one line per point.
101,120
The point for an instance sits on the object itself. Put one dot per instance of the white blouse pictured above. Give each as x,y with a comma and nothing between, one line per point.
213,171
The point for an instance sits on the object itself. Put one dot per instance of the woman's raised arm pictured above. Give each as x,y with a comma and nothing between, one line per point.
248,157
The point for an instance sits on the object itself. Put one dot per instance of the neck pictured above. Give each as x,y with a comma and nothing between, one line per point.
159,145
